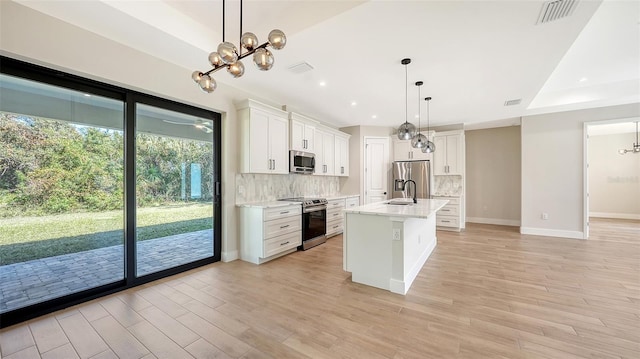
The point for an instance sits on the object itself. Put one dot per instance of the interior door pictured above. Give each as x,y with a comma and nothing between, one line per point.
376,168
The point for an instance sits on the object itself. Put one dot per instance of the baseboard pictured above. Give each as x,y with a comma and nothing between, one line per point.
497,221
614,215
229,256
552,232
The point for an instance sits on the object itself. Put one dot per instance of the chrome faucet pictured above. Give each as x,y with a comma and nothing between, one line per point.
415,189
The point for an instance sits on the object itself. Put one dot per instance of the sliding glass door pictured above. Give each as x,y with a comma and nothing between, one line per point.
101,189
174,188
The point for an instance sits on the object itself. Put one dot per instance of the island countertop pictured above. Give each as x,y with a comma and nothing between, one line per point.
425,208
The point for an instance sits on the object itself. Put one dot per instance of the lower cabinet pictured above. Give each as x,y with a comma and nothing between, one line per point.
335,216
267,233
450,216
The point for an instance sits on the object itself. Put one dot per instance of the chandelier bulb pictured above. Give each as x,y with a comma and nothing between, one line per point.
228,52
207,84
215,60
263,59
236,69
249,41
277,39
196,76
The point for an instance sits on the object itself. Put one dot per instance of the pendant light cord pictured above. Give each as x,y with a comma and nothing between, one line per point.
223,20
406,94
240,26
419,112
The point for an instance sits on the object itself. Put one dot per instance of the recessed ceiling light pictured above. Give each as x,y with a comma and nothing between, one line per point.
353,103
322,83
583,79
374,116
416,116
87,95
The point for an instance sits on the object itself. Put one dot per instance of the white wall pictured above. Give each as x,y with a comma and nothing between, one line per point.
552,169
493,175
614,179
37,38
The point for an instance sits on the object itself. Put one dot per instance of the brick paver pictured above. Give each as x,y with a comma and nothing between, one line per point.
27,283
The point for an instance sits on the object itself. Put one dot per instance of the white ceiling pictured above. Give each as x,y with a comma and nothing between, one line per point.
472,55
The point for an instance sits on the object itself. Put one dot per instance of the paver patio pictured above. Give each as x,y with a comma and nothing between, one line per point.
30,282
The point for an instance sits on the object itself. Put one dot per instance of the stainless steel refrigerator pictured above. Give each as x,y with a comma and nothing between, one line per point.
419,171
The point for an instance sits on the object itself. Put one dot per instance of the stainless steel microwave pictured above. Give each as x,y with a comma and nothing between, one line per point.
302,162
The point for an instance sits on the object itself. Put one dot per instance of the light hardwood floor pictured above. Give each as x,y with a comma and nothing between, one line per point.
488,292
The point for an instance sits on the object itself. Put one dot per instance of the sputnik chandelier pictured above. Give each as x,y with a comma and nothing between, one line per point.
227,55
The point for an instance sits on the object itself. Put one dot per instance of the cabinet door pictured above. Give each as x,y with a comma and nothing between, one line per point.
297,136
454,154
401,150
309,137
259,159
342,157
319,151
329,154
279,152
440,155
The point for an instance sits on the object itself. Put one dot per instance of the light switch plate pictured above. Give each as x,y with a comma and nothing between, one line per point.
396,234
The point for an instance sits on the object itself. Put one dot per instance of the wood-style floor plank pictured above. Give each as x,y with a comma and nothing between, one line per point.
488,292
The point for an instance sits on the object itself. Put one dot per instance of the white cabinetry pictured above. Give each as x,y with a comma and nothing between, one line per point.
403,151
448,157
325,153
450,216
335,216
342,156
264,138
268,233
302,133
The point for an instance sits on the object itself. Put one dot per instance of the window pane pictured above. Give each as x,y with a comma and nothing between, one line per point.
174,189
61,192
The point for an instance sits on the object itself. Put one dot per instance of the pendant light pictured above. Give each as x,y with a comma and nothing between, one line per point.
227,55
430,147
636,145
407,130
419,140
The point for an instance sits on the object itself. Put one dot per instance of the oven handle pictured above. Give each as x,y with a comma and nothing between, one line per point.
314,209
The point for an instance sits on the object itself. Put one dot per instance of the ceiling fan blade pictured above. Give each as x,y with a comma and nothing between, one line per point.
179,123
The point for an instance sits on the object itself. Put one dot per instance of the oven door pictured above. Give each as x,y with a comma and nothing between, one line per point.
314,222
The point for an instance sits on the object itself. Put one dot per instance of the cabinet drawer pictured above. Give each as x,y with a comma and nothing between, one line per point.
281,226
352,202
452,200
449,210
280,212
333,215
335,204
282,243
335,226
447,221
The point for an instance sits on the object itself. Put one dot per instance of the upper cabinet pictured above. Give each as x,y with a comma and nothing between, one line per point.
303,131
448,157
325,153
264,135
342,156
403,151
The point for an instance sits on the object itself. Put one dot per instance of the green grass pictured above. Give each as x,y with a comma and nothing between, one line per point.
27,238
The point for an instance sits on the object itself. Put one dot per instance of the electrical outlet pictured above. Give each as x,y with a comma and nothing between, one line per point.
396,234
545,215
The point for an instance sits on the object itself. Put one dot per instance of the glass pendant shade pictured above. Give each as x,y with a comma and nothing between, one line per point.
429,148
263,59
236,69
207,84
215,59
277,39
406,131
419,141
196,76
228,52
249,41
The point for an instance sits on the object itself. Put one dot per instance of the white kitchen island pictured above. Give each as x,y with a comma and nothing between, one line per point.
386,245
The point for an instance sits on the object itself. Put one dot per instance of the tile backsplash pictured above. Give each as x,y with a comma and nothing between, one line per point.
262,187
447,185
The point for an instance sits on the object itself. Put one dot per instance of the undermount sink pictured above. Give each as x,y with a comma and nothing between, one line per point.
399,203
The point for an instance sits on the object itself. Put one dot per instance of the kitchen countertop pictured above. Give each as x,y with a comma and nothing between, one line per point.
269,204
423,209
342,196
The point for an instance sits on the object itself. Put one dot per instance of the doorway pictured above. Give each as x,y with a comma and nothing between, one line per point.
611,176
376,169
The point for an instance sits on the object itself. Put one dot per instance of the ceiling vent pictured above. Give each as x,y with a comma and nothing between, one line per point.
300,68
512,102
557,9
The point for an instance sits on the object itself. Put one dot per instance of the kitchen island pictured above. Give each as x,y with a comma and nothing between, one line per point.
386,245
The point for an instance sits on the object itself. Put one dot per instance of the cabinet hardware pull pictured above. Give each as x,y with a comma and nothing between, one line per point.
284,212
281,227
282,244
334,227
445,221
336,214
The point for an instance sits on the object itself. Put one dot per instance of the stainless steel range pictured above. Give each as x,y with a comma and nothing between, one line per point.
314,220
